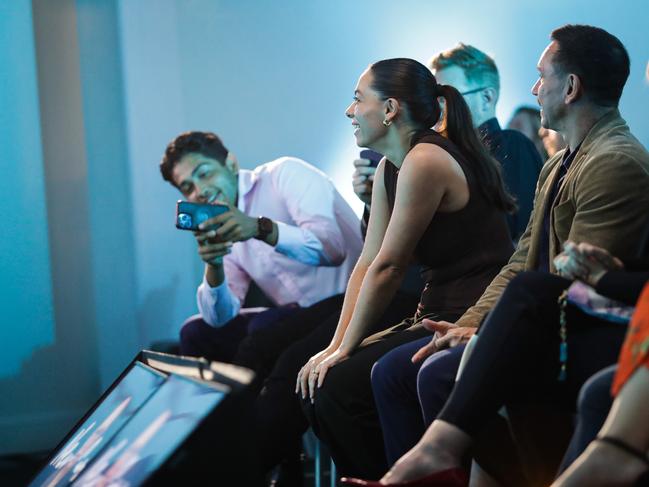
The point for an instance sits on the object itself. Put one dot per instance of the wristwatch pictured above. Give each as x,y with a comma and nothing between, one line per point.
264,227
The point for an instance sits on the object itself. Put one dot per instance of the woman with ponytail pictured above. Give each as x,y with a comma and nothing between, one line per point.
438,198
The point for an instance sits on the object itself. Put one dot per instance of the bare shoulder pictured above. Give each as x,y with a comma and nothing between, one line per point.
430,160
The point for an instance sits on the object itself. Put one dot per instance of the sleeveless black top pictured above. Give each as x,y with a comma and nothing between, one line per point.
462,251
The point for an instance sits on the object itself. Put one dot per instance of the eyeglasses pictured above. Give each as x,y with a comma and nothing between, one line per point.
473,91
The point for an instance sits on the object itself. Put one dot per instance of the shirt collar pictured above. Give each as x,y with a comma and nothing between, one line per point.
246,183
569,156
489,129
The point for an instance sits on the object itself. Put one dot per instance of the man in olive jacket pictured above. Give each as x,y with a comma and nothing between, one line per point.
603,196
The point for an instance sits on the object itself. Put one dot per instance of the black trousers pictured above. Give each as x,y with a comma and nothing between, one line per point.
344,414
280,422
261,349
516,360
199,339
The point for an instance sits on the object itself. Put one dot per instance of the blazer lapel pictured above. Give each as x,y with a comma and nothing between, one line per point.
541,205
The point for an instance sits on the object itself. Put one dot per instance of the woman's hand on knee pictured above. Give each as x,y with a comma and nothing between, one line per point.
308,372
322,369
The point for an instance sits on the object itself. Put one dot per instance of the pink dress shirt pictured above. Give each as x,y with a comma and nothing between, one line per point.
318,244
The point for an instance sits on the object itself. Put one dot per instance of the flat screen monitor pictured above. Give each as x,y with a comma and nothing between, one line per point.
156,422
122,402
153,434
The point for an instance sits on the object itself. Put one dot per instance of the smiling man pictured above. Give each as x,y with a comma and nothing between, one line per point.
287,229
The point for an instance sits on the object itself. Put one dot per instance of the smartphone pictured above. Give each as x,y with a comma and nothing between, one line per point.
190,215
373,156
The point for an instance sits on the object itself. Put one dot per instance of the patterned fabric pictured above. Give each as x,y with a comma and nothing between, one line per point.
586,299
635,351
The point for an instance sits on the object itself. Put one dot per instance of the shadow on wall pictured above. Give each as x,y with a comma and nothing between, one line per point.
49,377
155,311
52,376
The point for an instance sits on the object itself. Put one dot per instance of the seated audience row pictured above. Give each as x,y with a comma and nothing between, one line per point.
522,350
374,391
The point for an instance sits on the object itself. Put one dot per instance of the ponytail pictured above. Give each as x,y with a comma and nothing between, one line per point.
415,87
460,131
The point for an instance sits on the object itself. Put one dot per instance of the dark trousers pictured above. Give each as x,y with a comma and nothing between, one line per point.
261,349
198,339
344,413
593,405
515,361
410,396
280,420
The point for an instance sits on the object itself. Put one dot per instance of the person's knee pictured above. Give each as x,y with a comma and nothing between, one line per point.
595,395
384,375
435,380
533,282
330,398
192,329
527,281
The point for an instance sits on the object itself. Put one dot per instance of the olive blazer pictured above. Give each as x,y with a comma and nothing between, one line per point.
603,200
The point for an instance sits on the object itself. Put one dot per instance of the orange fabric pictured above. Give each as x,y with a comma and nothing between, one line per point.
635,350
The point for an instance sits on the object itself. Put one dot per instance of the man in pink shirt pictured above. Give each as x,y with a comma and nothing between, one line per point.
287,229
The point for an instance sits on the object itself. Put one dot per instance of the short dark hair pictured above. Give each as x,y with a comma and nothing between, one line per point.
597,57
205,143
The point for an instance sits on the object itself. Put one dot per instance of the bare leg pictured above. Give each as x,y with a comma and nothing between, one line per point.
443,446
605,464
480,478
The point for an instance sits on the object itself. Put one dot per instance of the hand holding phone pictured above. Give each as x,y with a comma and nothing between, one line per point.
372,156
363,177
210,248
190,215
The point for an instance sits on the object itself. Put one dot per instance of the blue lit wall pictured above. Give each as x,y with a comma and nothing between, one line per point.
27,320
272,78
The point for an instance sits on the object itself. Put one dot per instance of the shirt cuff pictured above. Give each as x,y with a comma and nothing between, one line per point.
216,304
289,238
215,291
300,244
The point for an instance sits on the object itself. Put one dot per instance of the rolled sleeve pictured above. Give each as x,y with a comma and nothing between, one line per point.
301,244
217,305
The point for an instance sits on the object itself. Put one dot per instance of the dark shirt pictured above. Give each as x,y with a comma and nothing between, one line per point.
521,165
544,243
462,251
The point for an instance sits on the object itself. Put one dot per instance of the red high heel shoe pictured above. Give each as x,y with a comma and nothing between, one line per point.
453,477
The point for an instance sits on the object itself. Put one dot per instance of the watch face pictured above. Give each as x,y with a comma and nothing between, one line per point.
265,226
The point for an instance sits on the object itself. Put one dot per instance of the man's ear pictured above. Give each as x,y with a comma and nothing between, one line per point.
490,96
231,163
574,89
392,108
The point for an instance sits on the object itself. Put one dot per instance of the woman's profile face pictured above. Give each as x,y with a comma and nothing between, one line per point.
366,112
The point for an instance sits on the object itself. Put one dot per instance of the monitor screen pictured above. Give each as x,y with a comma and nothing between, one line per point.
152,434
117,408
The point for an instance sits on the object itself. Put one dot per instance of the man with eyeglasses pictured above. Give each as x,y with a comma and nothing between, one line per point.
475,75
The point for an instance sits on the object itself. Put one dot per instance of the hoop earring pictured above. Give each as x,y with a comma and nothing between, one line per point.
387,122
